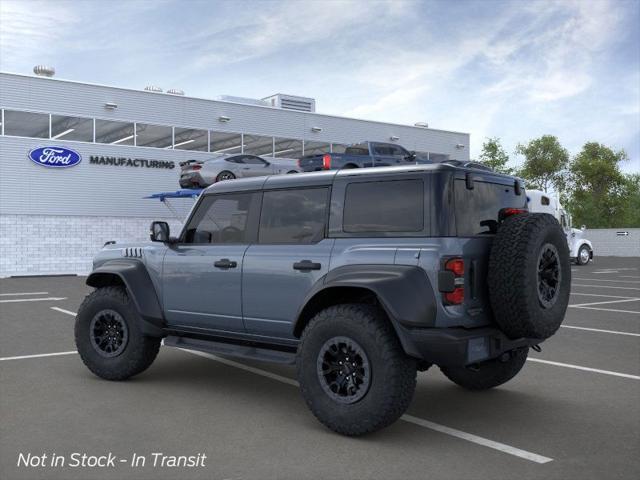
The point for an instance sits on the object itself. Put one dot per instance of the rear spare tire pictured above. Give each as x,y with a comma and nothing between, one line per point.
529,276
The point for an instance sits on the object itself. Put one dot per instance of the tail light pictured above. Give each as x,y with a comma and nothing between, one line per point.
508,212
196,167
454,278
299,162
326,162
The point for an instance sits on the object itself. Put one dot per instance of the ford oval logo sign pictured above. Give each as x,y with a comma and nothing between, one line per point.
55,157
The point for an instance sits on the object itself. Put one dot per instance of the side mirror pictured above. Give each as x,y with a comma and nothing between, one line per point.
159,232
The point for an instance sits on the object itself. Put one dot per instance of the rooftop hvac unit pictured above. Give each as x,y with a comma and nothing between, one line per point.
291,102
153,88
175,91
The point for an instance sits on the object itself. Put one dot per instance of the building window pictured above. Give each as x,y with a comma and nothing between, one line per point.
316,148
191,139
293,216
71,128
287,148
258,145
389,206
228,143
156,136
26,124
115,133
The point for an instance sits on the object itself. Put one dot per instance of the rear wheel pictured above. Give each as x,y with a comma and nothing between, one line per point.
584,255
353,373
225,175
108,337
488,374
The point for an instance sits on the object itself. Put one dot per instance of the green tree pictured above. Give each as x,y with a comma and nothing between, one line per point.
545,163
494,156
600,195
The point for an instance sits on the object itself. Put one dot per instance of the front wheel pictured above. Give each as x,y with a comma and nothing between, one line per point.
108,336
353,372
488,374
584,255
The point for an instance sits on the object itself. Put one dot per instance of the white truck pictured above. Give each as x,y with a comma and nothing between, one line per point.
580,249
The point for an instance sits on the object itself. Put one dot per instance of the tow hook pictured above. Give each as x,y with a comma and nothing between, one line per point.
536,348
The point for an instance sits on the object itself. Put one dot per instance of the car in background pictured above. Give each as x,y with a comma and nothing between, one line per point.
360,155
580,249
202,173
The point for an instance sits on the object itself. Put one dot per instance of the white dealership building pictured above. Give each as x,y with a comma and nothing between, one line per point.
127,144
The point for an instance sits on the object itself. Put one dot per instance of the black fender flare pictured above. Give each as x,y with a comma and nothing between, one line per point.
404,292
133,274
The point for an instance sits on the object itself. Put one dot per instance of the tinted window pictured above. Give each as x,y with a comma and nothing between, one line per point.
251,160
383,150
71,128
397,151
477,210
26,124
157,136
115,133
293,216
359,149
221,219
391,206
239,159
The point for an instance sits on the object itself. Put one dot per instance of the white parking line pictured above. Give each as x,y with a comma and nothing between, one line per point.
603,280
15,300
604,286
22,293
22,357
629,276
631,299
586,369
598,295
533,457
635,312
62,310
601,331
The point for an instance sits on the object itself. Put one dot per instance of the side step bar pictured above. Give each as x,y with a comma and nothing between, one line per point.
231,349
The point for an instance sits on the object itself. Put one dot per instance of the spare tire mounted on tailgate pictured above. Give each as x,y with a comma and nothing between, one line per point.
529,276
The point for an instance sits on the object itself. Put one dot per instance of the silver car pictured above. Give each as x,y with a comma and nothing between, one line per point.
202,173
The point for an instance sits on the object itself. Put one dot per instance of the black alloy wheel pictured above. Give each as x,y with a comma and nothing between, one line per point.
549,275
343,370
109,333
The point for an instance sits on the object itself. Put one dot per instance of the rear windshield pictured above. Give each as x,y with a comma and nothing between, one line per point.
477,210
360,149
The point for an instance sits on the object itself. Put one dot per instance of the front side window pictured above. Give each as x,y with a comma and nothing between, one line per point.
387,206
295,216
253,160
221,219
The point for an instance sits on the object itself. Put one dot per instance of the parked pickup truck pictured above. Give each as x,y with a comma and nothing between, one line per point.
365,154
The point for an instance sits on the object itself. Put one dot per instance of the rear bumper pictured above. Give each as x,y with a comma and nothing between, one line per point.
190,180
461,346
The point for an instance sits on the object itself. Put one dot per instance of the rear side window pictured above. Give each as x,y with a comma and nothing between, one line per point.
296,216
388,206
477,210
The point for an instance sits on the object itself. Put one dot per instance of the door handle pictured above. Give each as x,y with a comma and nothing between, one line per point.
225,263
307,265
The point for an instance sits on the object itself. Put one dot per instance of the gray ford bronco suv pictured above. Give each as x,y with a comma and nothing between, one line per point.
360,277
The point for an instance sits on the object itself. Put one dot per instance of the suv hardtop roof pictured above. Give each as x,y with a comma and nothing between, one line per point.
325,178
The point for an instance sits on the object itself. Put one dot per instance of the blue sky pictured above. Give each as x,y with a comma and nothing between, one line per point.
511,69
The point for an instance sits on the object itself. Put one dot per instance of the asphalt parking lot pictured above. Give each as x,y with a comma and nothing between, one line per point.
573,412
